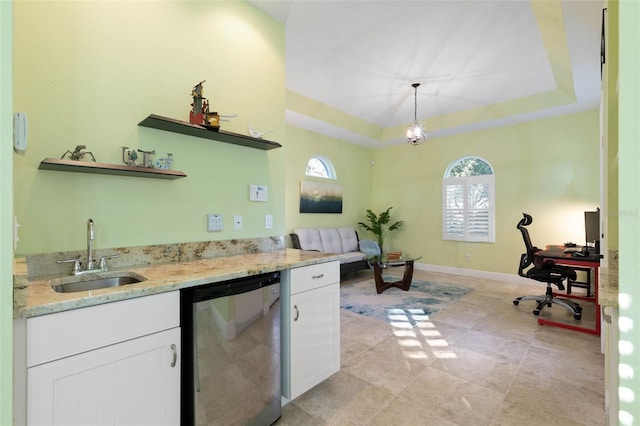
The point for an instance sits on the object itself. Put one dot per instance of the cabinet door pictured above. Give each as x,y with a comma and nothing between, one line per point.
315,337
136,382
610,338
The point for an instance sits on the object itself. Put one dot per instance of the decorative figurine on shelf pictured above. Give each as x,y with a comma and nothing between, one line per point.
78,153
200,114
146,158
199,105
255,134
165,163
129,156
200,109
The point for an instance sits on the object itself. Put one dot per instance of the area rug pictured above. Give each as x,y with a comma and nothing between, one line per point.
423,299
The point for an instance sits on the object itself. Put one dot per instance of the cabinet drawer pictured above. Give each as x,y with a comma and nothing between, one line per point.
55,336
314,276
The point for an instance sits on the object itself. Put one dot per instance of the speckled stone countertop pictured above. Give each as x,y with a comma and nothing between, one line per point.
168,269
608,281
608,287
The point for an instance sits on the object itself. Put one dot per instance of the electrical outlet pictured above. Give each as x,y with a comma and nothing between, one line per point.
268,221
237,222
467,257
214,222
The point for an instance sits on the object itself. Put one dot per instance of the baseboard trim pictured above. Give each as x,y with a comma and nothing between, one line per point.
499,276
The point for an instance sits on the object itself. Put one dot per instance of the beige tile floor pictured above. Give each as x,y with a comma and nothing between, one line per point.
480,361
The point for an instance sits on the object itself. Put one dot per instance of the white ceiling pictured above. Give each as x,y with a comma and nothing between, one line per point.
482,63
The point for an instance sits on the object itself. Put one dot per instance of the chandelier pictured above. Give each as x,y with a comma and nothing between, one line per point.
415,133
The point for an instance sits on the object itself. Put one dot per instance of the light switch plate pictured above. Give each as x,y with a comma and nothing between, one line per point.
268,221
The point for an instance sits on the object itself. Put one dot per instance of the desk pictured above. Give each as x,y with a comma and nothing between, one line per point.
591,261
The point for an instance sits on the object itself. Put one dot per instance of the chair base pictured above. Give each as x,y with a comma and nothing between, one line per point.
548,300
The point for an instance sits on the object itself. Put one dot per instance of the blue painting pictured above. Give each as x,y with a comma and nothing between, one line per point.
320,197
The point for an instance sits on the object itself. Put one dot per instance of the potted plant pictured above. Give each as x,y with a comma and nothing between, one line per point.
378,223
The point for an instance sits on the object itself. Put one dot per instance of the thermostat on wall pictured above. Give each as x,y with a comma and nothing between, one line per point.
257,193
20,132
214,222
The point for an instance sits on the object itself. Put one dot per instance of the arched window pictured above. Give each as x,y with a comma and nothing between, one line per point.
320,167
468,210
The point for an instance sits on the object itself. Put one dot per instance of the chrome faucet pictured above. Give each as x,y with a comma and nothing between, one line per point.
91,264
91,235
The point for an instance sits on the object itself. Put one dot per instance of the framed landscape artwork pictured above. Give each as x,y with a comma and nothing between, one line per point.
320,197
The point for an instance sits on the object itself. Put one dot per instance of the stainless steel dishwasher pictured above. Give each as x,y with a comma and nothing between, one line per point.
231,352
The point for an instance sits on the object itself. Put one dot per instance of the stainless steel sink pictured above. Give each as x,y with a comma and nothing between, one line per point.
95,281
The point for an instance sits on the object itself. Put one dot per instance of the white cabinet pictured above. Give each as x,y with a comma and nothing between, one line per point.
116,363
310,326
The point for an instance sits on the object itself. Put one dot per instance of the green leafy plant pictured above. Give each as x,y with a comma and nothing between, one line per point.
377,225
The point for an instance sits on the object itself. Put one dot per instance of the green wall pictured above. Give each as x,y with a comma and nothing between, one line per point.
629,209
353,170
547,168
88,72
6,215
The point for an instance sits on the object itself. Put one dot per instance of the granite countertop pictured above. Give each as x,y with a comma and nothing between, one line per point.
608,280
35,296
608,287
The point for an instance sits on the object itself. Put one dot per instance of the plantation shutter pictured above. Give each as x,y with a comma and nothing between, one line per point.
454,211
468,209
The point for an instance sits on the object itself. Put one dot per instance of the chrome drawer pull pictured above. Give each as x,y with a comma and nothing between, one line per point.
175,355
315,277
297,313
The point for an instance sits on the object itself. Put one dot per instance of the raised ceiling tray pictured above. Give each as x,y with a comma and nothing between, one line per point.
108,169
170,125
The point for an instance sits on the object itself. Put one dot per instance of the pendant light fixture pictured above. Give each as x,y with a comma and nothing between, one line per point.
415,133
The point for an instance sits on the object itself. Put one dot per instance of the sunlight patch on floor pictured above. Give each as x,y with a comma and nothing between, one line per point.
414,338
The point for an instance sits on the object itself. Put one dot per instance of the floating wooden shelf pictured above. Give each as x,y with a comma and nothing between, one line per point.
177,126
108,169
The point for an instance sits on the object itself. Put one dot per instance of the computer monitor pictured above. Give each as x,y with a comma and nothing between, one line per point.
592,229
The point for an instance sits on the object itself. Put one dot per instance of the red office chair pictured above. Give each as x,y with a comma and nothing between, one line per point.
544,270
